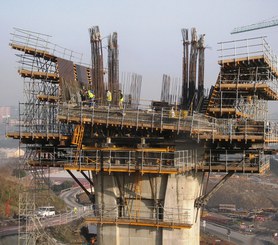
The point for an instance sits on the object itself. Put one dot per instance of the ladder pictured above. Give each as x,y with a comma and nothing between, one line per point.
77,139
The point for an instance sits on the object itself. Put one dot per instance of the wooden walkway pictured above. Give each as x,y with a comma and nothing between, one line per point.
138,222
37,135
262,88
259,61
35,52
50,77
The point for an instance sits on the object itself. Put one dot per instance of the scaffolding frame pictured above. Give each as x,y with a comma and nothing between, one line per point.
105,141
37,115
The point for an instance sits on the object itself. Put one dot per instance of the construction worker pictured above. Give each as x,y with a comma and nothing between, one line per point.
108,97
172,113
121,99
91,97
75,210
83,95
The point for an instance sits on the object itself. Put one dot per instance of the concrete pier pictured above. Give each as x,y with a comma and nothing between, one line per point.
130,207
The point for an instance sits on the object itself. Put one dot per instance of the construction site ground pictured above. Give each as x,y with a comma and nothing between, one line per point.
256,202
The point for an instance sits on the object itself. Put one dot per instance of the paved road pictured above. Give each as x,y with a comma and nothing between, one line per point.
236,237
69,197
9,230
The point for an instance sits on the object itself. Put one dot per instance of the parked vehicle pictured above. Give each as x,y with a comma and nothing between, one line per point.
46,211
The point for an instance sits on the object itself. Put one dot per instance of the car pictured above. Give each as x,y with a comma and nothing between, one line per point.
46,211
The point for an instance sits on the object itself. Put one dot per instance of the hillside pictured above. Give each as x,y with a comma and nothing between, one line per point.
11,187
248,191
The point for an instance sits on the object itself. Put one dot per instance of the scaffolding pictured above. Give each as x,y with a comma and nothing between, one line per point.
139,146
37,117
247,80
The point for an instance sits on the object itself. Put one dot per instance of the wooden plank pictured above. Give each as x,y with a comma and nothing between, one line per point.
33,51
49,98
257,138
39,75
240,59
138,222
28,135
119,122
215,110
261,88
223,110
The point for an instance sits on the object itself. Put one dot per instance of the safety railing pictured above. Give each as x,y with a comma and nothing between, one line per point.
239,161
42,122
40,42
131,160
140,212
267,79
163,119
179,161
271,131
247,48
246,107
153,162
32,221
240,127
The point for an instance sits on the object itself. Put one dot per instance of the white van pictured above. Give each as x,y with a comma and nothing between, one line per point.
46,211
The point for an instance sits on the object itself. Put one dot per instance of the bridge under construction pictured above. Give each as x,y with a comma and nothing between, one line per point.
148,163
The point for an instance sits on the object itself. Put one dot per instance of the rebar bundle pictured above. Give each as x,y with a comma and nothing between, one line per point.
131,88
171,90
113,67
97,62
192,96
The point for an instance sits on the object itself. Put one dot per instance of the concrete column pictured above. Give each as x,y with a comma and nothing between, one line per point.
176,192
181,192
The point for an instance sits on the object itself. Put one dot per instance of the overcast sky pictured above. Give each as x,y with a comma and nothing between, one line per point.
149,33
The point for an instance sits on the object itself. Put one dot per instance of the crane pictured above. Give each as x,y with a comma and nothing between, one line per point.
259,25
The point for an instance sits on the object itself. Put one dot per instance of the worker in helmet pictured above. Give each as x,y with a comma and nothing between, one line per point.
108,97
172,113
91,97
121,99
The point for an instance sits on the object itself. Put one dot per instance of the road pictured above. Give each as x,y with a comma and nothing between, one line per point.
69,197
236,237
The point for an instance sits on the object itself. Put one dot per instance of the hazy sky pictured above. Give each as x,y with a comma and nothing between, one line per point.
149,33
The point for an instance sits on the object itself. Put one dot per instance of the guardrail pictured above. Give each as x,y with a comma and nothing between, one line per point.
32,221
130,159
139,117
140,213
41,43
247,48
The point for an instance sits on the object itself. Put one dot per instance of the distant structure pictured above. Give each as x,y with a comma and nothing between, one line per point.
147,163
256,26
5,113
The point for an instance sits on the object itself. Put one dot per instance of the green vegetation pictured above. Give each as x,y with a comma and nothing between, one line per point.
9,190
63,186
19,173
12,186
71,233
